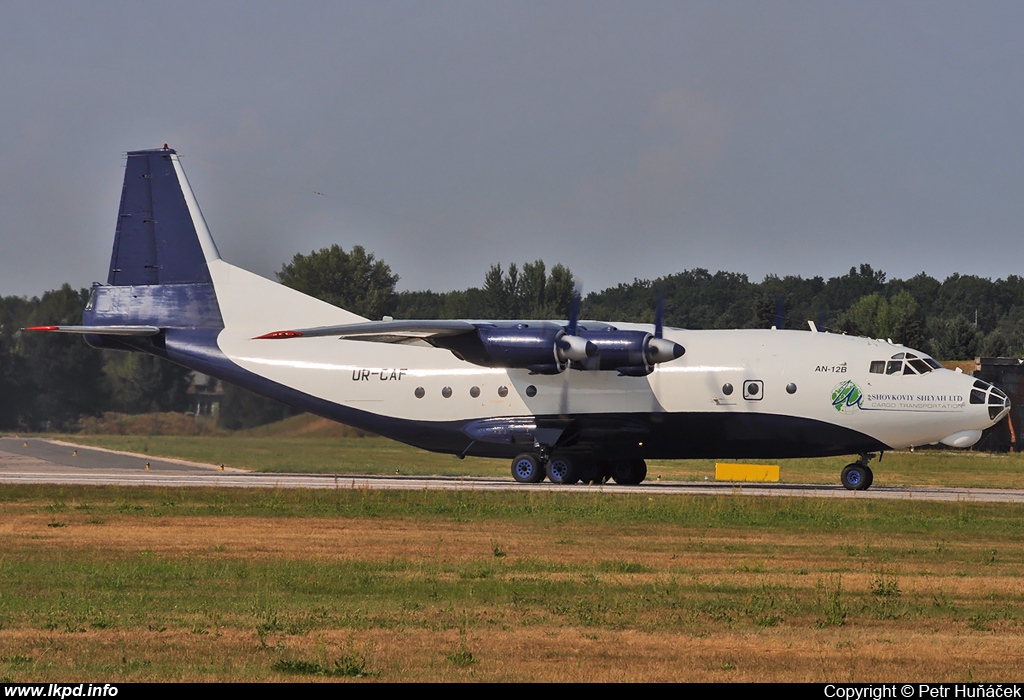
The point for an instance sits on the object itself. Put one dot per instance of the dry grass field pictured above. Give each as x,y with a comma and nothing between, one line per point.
109,584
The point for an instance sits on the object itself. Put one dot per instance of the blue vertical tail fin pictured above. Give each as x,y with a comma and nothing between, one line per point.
156,240
160,263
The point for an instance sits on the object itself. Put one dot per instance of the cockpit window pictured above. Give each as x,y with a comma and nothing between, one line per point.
904,363
921,366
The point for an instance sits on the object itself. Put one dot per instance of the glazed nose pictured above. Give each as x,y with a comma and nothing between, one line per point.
998,403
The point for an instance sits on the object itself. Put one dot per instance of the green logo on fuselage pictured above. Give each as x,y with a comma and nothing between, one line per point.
846,397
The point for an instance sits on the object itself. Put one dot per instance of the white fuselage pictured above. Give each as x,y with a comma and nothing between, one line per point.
793,374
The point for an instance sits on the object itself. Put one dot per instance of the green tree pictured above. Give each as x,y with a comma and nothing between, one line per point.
468,303
501,292
559,290
899,319
64,375
956,339
11,392
998,343
533,293
426,304
355,281
842,292
906,321
140,383
241,409
14,394
969,296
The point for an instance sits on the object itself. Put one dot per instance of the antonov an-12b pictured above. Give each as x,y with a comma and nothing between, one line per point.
570,401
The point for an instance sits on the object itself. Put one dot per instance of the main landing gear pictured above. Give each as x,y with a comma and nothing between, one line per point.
532,467
858,476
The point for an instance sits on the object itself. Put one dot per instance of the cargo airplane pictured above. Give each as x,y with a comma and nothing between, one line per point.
567,400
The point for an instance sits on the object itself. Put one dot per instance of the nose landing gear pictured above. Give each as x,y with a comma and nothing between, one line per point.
858,476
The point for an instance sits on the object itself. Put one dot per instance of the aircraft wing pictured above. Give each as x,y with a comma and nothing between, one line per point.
543,347
400,332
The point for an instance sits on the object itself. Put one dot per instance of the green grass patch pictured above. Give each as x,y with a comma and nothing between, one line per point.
570,510
481,566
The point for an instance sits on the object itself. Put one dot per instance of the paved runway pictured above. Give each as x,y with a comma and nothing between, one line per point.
39,461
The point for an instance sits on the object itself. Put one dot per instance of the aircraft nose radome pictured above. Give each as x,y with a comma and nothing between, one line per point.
961,439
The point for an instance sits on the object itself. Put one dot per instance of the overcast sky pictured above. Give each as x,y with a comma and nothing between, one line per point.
624,140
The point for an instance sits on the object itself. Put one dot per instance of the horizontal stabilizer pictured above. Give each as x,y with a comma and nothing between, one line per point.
138,331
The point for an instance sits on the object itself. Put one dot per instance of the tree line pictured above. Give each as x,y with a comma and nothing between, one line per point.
49,381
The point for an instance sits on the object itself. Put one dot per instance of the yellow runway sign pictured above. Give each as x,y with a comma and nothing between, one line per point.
746,472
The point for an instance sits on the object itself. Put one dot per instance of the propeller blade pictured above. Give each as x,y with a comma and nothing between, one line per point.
659,315
780,305
574,313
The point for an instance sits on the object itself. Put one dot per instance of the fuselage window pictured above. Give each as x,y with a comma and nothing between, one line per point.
474,392
502,391
446,392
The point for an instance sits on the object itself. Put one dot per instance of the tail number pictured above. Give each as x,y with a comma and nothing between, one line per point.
384,375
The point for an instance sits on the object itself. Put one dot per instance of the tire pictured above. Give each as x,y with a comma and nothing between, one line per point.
562,470
527,469
590,472
871,478
856,477
629,472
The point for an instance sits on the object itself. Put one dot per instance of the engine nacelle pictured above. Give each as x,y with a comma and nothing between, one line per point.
630,353
548,349
544,349
522,346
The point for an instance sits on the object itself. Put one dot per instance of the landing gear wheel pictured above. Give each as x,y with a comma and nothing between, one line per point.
629,472
856,477
871,478
527,469
561,470
590,472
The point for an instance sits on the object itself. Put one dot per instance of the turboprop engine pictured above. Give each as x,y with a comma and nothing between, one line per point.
547,349
631,353
544,349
